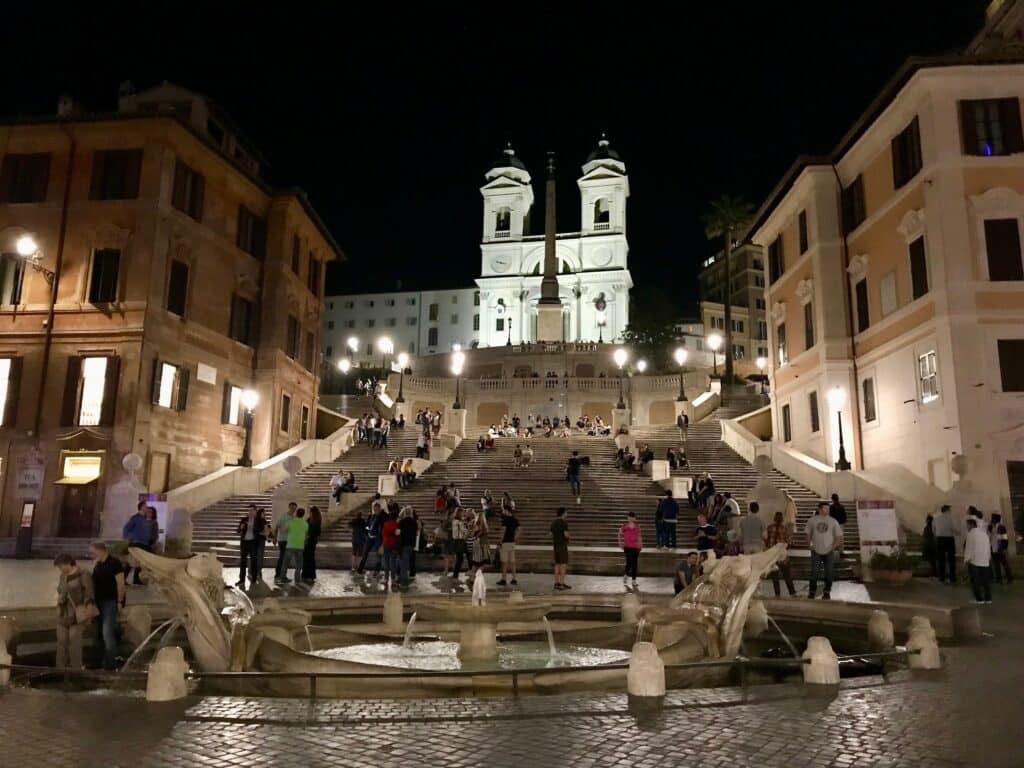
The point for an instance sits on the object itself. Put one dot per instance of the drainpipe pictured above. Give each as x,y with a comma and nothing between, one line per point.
855,395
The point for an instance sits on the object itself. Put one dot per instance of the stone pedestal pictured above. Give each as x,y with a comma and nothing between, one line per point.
5,674
921,638
166,679
715,385
620,419
122,499
394,612
457,422
549,322
387,485
646,676
8,632
824,666
657,470
478,641
630,608
880,631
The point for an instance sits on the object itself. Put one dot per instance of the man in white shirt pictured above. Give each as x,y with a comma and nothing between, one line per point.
978,557
825,537
336,484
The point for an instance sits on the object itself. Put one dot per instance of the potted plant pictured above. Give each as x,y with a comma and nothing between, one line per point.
893,567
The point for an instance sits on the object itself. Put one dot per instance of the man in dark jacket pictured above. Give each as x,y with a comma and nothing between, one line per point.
252,534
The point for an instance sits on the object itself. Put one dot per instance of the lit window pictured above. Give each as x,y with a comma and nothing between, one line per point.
94,377
168,373
234,406
929,377
5,376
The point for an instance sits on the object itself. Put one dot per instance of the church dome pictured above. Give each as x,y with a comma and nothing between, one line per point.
604,151
508,159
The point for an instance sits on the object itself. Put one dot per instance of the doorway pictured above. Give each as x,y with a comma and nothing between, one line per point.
1015,475
77,511
159,471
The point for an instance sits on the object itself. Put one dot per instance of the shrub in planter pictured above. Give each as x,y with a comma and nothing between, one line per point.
894,567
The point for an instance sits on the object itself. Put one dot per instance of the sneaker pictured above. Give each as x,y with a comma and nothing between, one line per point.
566,586
579,500
979,602
558,586
988,602
826,596
514,581
502,583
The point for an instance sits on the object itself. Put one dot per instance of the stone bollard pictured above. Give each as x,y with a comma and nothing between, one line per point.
880,632
757,620
630,608
824,666
166,679
138,623
8,631
921,637
394,612
516,596
646,676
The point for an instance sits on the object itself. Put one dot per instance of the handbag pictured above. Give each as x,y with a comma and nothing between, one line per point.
84,613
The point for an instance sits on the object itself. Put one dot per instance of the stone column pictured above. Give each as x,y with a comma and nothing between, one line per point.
457,421
620,418
549,307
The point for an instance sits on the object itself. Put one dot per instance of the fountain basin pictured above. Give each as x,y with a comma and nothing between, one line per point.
478,624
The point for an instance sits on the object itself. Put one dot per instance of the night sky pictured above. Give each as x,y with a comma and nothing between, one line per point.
389,119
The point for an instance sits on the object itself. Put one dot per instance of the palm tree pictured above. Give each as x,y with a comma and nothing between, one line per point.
726,217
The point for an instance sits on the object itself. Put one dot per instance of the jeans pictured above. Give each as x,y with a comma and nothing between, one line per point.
1001,566
574,484
106,632
460,554
406,562
945,551
69,646
372,545
250,552
828,563
659,532
391,562
292,557
632,561
981,582
787,574
670,532
279,570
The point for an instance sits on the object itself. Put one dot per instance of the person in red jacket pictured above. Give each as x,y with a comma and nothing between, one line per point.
389,537
631,541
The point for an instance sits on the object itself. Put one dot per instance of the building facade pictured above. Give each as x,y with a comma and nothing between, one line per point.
896,285
181,280
749,318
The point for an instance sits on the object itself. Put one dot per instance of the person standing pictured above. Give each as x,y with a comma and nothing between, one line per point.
378,515
572,474
669,519
312,539
458,541
295,544
780,533
358,526
683,422
705,533
109,593
560,540
252,532
826,539
408,530
928,544
631,542
978,559
999,538
945,544
281,537
142,532
752,530
74,597
509,537
836,510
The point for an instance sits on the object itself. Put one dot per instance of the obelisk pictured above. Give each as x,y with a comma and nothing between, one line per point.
549,307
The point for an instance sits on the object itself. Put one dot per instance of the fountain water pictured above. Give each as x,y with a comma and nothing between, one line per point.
408,630
782,634
309,639
244,602
640,629
479,588
170,625
551,636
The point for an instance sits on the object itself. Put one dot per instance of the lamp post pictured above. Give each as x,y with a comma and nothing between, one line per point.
508,322
344,365
458,360
620,358
836,399
680,356
353,345
403,361
715,342
249,399
641,365
386,347
762,363
601,320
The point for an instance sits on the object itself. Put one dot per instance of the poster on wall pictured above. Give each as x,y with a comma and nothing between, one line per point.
29,477
158,501
878,529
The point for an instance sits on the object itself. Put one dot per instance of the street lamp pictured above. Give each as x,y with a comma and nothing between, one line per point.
715,342
353,345
249,399
762,363
680,356
344,365
386,347
600,326
458,360
641,365
837,399
620,358
403,360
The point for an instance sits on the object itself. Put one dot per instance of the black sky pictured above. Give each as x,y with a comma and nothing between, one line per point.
388,116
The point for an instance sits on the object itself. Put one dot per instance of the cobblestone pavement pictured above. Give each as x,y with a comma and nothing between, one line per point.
868,723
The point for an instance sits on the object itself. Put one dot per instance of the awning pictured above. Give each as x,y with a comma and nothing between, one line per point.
75,480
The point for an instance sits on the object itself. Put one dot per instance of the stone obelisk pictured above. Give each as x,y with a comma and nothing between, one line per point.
549,307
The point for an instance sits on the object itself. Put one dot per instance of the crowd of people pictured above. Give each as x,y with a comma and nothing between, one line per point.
986,547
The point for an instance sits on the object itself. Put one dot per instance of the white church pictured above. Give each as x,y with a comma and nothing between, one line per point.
592,270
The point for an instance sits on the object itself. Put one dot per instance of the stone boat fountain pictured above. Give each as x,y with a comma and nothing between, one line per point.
704,622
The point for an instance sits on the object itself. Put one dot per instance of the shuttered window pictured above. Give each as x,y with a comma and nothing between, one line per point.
918,269
1002,244
854,206
780,340
115,174
787,428
10,384
906,154
868,387
251,236
90,391
802,227
242,317
863,315
24,178
776,260
106,265
292,338
170,385
296,252
991,127
808,325
177,288
188,192
812,405
1011,364
286,412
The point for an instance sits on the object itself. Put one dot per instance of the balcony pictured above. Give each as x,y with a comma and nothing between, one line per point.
600,226
504,234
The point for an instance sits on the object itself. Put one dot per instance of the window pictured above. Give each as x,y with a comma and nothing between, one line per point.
808,325
286,412
10,380
115,174
863,317
231,405
759,303
389,302
329,351
1002,245
177,288
780,341
476,322
296,252
369,348
350,323
759,282
455,319
12,275
23,178
187,195
304,423
313,277
761,351
499,324
812,405
737,325
371,322
1011,364
309,351
503,219
918,269
802,226
868,388
887,289
854,208
906,155
103,276
412,347
330,305
252,233
455,298
432,316
330,325
348,304
476,298
291,342
927,372
391,322
369,302
170,385
991,127
776,261
739,351
432,337
410,320
762,330
242,314
602,211
787,431
411,302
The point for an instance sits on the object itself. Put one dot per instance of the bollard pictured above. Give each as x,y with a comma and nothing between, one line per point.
824,664
630,608
921,638
5,658
393,612
880,632
646,676
757,620
8,632
166,678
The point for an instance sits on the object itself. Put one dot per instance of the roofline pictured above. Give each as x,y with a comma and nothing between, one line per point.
270,191
417,291
879,104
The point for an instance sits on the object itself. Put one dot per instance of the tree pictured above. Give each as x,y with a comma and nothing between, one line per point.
725,217
651,333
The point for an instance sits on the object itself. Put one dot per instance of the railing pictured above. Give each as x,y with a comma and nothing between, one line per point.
502,234
602,225
742,663
667,384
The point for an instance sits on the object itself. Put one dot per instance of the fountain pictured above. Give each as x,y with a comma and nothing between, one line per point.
408,630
